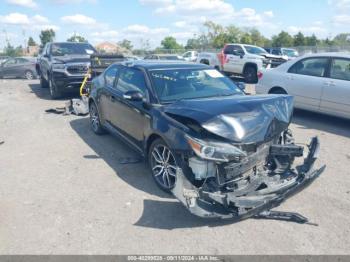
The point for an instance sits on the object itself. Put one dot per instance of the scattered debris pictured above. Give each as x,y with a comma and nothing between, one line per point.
284,216
74,106
2,142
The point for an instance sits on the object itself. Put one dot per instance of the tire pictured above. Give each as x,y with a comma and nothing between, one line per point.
54,93
95,122
250,75
43,82
29,75
162,163
278,91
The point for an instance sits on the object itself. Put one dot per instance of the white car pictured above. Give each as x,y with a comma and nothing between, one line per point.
190,56
318,82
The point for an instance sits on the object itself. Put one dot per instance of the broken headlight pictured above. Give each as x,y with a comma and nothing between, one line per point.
216,151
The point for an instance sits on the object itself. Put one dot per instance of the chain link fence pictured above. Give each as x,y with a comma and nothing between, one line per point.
303,50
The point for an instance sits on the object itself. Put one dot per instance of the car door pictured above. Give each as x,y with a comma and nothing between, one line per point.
9,68
305,81
45,62
131,117
233,62
108,93
336,92
20,68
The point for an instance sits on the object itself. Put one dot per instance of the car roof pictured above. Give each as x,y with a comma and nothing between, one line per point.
157,64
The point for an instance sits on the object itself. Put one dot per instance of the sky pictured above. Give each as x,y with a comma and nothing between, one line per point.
152,20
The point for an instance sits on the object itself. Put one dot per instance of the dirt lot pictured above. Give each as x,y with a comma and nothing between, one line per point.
63,191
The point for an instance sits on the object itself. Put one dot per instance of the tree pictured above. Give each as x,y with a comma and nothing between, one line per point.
299,39
246,39
283,39
77,39
47,36
311,40
126,44
9,50
31,41
258,39
169,42
342,39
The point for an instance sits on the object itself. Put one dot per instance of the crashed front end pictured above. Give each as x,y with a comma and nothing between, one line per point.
245,162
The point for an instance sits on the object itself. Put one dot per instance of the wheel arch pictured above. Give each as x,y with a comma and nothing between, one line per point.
277,88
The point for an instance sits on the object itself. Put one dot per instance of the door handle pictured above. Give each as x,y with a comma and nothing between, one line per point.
329,83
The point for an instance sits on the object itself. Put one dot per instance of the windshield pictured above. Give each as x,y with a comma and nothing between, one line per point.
255,50
290,52
178,84
61,49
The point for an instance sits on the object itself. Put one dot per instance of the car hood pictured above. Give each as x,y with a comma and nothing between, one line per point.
71,59
240,119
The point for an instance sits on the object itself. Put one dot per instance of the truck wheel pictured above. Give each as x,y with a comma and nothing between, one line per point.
54,93
43,82
250,75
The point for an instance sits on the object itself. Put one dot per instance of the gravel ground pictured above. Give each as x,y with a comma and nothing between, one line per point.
62,191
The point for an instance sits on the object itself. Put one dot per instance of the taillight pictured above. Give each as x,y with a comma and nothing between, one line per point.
260,75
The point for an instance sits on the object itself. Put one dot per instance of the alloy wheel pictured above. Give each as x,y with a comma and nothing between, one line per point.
29,75
163,166
94,118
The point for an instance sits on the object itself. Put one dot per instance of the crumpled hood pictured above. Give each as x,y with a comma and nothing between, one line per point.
241,119
72,59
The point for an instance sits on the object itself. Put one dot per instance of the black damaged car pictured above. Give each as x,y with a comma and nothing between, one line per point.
220,152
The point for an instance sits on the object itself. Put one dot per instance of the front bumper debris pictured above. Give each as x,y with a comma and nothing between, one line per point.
242,205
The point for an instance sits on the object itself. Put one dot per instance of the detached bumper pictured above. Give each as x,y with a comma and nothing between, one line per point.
236,206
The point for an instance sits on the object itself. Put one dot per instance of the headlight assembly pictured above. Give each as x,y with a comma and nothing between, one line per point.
216,151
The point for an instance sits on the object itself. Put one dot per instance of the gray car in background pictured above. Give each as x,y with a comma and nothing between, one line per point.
19,67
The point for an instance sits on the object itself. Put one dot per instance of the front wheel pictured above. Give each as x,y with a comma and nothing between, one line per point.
163,165
95,121
54,93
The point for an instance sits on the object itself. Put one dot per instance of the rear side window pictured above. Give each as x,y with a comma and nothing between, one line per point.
315,66
340,69
131,80
110,75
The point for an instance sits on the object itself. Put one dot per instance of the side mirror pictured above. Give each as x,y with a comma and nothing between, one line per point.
133,96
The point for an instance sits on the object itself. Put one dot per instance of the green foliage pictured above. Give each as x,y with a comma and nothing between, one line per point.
47,36
299,39
31,41
126,44
283,39
169,42
9,50
77,39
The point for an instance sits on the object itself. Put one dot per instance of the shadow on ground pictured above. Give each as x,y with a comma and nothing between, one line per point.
44,93
329,124
111,149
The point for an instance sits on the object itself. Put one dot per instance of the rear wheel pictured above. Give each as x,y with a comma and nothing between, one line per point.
163,165
250,75
29,75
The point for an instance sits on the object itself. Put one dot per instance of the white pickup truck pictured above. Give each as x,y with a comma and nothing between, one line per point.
241,60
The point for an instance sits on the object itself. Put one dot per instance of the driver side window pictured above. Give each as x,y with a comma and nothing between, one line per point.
315,66
110,75
131,80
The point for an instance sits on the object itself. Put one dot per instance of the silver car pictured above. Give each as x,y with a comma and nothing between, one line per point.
318,82
19,67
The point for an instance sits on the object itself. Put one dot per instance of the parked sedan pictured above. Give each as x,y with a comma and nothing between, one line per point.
19,67
220,152
318,82
163,57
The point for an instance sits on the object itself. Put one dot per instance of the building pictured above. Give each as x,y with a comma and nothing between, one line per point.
108,47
